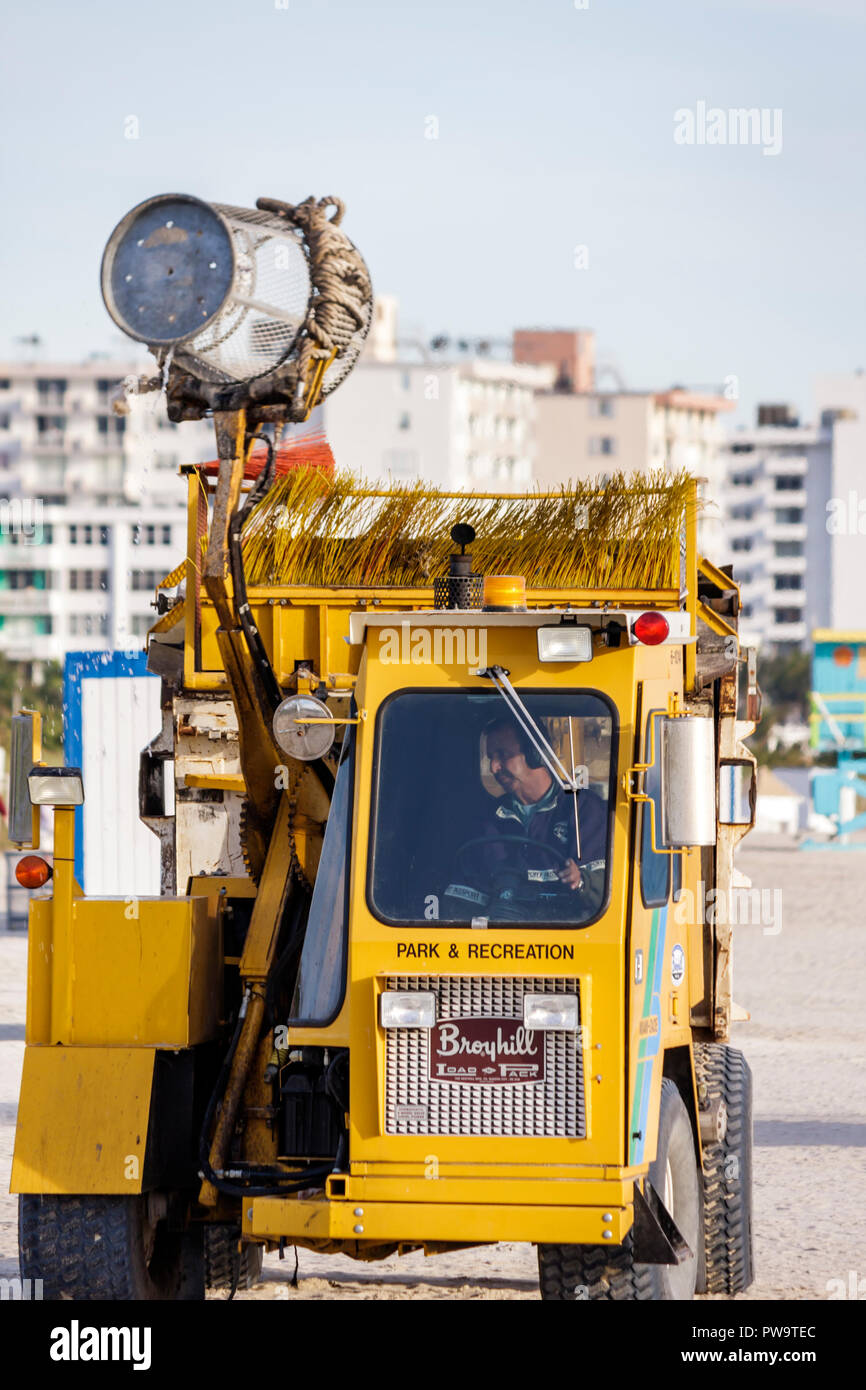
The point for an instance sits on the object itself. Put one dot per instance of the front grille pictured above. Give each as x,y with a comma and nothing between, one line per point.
417,1104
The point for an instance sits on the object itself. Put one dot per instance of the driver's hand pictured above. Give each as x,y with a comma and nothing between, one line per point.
571,875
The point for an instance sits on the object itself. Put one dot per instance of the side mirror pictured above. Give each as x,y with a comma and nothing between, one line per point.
26,750
688,781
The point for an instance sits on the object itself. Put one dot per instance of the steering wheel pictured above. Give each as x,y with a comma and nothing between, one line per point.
560,859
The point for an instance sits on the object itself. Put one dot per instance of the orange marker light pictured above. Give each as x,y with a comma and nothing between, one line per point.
32,872
504,593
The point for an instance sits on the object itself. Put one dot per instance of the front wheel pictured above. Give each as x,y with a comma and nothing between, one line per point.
226,1265
106,1248
610,1273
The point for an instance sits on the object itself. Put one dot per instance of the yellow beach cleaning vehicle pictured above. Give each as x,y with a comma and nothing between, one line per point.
431,966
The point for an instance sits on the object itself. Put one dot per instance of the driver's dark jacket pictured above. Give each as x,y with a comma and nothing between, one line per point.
549,821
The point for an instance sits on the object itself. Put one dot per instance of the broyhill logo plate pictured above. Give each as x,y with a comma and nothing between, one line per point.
486,1051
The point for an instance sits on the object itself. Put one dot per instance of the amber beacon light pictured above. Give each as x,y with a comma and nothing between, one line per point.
32,872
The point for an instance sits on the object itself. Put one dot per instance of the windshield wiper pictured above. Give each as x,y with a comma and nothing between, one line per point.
567,782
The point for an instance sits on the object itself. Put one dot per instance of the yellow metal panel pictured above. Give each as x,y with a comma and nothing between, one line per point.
145,972
219,781
551,1172
82,1120
38,1026
538,1190
408,1222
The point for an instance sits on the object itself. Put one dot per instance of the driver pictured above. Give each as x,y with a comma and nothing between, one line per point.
533,808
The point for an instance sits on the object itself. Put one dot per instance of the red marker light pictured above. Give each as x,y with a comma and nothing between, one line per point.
651,629
32,872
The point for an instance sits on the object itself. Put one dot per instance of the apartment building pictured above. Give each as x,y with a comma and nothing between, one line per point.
455,425
778,478
92,510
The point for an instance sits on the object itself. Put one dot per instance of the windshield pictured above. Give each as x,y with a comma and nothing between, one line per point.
469,826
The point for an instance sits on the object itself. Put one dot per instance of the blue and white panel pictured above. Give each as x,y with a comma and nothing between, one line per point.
110,713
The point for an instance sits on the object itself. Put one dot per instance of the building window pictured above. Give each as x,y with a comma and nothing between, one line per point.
787,549
22,579
166,535
741,543
405,422
144,535
742,479
88,579
142,581
787,615
141,622
788,516
402,463
788,581
50,390
787,483
604,406
602,444
50,428
110,424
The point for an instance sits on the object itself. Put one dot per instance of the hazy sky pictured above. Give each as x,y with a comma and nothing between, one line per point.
555,131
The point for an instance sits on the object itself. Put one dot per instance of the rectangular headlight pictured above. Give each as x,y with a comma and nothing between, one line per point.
398,1009
565,643
542,1012
56,786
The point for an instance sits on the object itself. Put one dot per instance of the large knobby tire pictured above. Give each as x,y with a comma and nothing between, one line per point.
728,1255
226,1267
105,1248
611,1273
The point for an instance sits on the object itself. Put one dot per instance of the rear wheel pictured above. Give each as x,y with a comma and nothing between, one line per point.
611,1273
724,1076
106,1248
227,1267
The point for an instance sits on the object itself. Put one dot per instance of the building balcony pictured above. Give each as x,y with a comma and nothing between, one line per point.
786,632
787,598
794,531
784,498
776,467
27,602
786,564
43,646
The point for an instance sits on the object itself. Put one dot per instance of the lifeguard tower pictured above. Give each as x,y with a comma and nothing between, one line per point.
837,722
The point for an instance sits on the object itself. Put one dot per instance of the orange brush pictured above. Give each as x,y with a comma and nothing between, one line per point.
304,451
